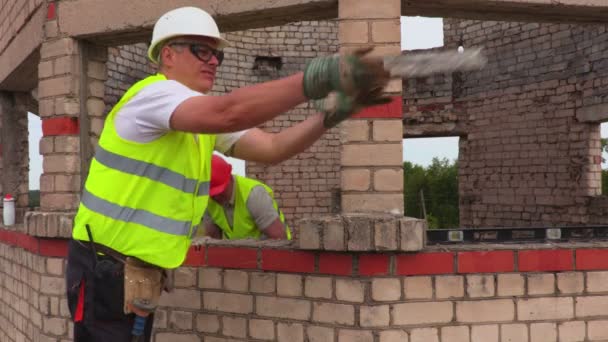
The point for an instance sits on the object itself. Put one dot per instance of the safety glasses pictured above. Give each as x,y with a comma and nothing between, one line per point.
202,52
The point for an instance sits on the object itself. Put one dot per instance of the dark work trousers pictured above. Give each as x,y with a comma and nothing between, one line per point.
97,308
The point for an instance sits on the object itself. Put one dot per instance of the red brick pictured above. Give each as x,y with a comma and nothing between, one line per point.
27,242
486,262
232,257
545,260
21,240
195,256
51,11
374,264
60,126
288,261
592,259
4,236
425,263
335,263
393,109
53,247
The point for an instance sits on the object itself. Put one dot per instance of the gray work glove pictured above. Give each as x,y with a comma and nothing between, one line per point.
350,74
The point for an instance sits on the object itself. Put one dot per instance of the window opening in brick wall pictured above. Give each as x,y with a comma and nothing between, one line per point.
238,165
34,126
267,64
430,171
421,33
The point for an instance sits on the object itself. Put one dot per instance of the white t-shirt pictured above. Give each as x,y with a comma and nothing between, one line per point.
146,116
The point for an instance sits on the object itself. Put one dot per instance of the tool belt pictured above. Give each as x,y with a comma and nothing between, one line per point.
99,248
143,282
143,286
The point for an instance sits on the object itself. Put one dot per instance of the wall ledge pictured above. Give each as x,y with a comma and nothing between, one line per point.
280,256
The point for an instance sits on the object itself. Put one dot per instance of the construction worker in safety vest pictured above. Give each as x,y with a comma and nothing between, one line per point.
148,183
241,207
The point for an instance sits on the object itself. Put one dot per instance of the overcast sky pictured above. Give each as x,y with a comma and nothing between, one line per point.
416,33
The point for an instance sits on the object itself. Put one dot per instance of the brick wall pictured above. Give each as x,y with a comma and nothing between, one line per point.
305,184
126,65
14,155
525,295
239,293
32,292
13,15
527,154
1,149
430,105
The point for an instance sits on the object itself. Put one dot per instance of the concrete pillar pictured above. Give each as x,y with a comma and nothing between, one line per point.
372,170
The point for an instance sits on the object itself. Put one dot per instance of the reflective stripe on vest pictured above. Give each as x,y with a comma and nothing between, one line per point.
243,225
151,171
145,218
143,199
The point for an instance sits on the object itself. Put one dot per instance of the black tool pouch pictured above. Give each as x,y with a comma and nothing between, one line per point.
108,289
107,285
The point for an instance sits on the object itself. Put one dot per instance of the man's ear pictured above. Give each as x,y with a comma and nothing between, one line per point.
166,55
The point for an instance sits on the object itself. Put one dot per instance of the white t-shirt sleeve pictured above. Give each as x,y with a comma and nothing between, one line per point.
146,116
225,141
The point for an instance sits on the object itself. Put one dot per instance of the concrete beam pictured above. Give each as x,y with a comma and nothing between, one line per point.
593,114
118,22
563,11
431,130
123,22
19,61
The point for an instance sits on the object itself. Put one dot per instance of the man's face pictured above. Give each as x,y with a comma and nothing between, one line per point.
192,61
224,196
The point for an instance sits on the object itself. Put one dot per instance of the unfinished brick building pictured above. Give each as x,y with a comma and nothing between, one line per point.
529,155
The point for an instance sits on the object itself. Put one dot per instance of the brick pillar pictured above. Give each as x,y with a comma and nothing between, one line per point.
96,57
2,103
58,95
15,157
372,166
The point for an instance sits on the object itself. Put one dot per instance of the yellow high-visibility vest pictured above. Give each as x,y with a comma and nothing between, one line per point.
243,225
144,199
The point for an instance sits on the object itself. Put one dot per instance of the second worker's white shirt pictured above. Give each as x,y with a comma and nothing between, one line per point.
146,116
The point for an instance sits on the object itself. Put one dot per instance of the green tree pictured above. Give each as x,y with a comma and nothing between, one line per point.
414,179
439,184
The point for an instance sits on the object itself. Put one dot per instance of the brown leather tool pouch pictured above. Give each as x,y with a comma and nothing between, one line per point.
143,282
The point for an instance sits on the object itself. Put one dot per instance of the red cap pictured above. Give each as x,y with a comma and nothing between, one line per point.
221,172
8,197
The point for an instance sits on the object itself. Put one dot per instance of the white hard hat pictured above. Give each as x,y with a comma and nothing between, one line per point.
184,21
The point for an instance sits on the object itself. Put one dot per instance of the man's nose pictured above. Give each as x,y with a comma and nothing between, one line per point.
214,61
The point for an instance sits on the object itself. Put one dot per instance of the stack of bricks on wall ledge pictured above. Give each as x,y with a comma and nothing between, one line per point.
362,232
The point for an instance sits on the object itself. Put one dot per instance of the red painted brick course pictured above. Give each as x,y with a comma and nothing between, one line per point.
288,261
486,262
592,259
53,247
545,260
196,256
336,263
394,109
374,264
425,263
232,257
60,126
51,11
